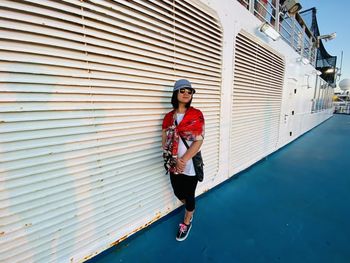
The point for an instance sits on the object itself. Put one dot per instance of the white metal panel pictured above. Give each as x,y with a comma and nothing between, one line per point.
256,104
79,78
84,86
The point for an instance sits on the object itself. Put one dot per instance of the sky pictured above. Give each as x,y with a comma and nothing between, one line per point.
334,16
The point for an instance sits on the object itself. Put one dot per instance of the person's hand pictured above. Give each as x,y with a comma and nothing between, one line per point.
180,165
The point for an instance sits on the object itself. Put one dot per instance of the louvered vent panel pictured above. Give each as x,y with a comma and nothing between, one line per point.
84,86
257,95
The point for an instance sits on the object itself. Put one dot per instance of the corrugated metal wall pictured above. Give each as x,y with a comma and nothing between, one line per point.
257,97
84,86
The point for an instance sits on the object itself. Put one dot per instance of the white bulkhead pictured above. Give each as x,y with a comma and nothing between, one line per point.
84,86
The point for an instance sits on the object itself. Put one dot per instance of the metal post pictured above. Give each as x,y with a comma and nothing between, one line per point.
312,51
302,42
293,30
277,16
251,6
315,93
341,65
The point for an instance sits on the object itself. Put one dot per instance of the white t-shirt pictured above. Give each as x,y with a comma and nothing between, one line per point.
189,169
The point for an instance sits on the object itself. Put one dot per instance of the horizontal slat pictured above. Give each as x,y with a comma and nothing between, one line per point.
69,226
257,96
45,197
84,88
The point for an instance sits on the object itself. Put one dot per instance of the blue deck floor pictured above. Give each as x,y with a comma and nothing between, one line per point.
293,206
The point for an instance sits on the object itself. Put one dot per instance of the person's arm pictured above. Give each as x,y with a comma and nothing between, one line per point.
192,151
163,138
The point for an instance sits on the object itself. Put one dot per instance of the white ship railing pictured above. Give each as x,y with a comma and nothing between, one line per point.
323,95
342,104
343,108
292,28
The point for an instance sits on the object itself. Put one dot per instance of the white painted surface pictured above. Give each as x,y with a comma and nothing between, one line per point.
84,86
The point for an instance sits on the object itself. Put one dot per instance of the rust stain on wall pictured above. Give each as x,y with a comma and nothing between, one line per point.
158,215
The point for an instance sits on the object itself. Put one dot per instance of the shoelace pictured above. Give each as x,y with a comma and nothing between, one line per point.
183,228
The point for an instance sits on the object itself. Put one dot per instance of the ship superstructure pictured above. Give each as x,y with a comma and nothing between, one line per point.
84,86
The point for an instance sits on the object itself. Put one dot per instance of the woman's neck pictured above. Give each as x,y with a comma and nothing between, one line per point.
181,109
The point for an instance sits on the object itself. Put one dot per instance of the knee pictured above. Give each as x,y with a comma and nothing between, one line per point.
190,204
180,196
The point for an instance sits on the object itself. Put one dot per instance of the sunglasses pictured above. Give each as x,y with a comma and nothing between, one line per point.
188,91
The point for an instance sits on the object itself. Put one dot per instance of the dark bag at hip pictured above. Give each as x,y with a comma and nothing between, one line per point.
198,166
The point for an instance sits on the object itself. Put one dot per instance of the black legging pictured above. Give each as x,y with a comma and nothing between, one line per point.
184,187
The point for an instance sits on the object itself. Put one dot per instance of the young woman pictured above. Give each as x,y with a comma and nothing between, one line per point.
183,123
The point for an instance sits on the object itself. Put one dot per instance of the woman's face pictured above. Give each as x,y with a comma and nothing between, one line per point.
184,95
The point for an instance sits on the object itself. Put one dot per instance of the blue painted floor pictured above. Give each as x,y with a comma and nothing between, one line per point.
293,207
